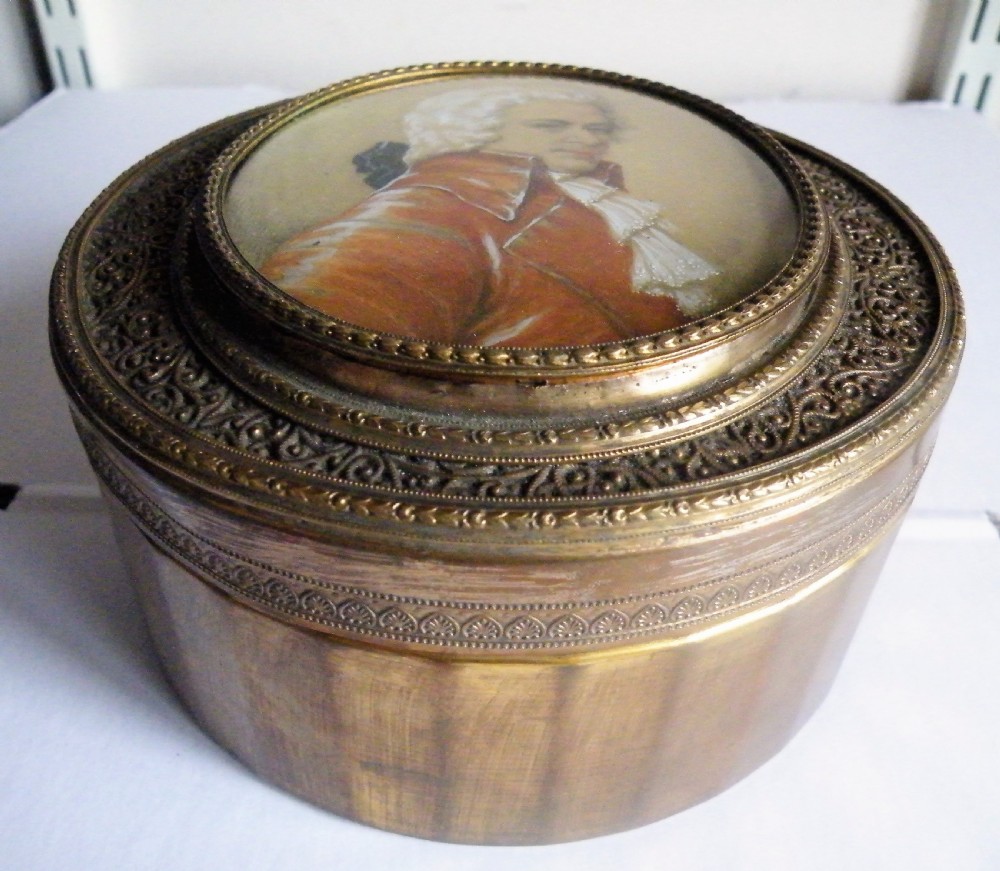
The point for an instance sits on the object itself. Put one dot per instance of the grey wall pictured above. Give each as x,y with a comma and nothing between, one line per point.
20,80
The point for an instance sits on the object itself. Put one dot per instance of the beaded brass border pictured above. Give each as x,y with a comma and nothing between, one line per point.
296,317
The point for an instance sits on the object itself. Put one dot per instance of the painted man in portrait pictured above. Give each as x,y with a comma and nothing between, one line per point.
508,228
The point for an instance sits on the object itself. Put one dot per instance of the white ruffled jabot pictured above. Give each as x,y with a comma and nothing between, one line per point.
661,266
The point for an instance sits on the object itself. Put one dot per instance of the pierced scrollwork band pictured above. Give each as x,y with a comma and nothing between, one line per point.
357,612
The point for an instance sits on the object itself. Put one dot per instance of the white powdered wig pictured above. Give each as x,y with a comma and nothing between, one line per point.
468,119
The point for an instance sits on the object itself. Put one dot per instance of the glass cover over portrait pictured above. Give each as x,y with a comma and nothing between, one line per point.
510,211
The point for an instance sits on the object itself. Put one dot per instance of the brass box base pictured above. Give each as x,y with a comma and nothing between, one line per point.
528,751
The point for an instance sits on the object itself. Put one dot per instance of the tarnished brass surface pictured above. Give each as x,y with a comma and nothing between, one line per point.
523,749
501,595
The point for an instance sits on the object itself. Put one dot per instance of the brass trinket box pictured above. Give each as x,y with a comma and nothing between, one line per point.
503,453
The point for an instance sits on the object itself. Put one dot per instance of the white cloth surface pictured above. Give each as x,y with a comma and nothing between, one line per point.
100,767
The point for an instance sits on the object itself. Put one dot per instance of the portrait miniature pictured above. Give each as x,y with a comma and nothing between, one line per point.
500,217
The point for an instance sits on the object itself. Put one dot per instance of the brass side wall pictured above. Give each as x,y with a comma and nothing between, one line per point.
534,749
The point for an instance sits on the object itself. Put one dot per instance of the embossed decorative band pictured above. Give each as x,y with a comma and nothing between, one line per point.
487,626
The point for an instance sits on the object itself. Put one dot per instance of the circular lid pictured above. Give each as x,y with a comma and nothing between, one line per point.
480,300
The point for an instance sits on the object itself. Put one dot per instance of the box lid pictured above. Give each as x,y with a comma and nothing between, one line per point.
476,303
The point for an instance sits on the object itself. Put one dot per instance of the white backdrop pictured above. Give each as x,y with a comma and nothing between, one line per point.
725,49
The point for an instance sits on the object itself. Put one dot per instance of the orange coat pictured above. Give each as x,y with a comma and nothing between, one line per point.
478,249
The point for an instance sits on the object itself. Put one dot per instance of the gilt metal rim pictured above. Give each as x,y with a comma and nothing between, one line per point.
443,359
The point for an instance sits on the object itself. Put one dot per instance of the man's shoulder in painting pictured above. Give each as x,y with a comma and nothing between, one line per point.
494,182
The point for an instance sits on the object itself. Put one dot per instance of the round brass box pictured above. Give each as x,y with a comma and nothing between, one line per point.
503,453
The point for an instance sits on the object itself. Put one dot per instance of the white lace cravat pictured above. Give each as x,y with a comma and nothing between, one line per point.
661,266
